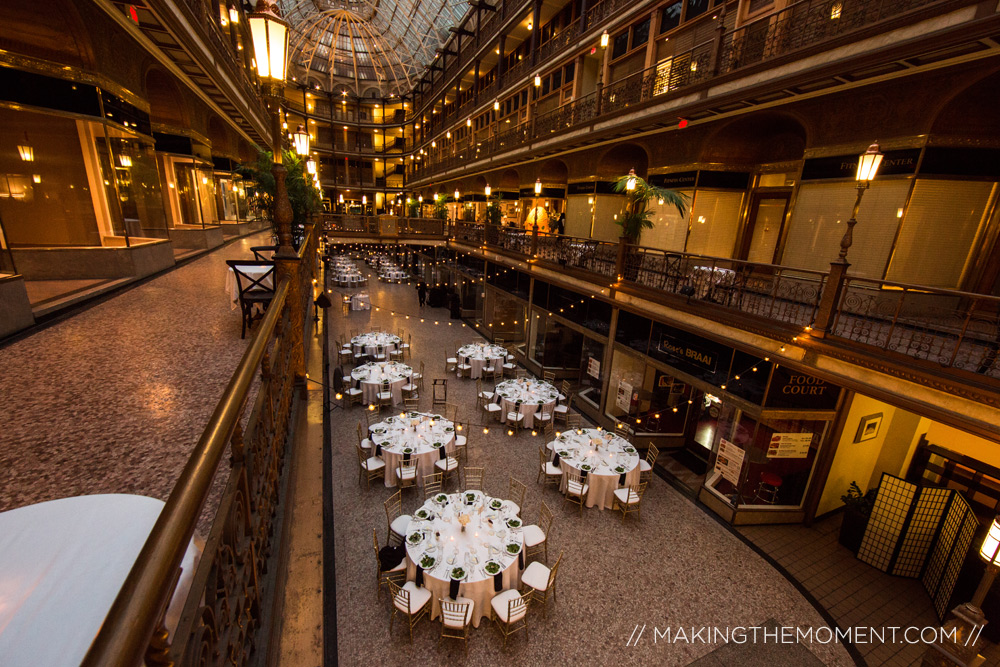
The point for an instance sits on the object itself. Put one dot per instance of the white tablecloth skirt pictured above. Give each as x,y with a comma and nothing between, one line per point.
481,592
370,391
602,487
479,364
371,349
425,463
233,287
527,409
362,302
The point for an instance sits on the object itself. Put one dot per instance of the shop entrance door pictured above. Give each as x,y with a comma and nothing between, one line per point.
764,226
689,464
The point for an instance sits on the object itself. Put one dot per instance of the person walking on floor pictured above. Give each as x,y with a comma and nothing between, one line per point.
422,292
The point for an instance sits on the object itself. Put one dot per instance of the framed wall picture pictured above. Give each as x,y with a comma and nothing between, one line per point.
868,427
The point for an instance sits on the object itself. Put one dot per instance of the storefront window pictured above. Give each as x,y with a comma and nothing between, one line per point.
591,361
627,372
507,315
553,343
633,331
774,458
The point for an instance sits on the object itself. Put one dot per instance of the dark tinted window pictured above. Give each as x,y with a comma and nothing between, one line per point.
696,7
670,16
633,331
620,46
640,33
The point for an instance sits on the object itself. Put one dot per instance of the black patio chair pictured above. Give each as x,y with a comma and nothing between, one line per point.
255,290
263,253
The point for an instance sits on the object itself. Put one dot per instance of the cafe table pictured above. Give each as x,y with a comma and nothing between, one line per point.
233,286
480,356
419,437
465,544
609,461
527,395
374,376
62,563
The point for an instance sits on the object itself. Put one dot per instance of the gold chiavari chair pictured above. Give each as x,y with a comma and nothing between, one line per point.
481,394
549,430
446,466
646,465
461,442
542,581
380,574
373,414
576,489
450,361
395,519
515,494
549,376
573,421
418,378
628,499
363,442
548,472
474,478
567,387
510,613
369,468
536,535
561,411
411,403
520,373
456,618
451,412
433,484
409,600
406,475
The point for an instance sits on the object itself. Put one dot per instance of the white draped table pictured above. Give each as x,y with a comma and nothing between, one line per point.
480,356
373,377
435,540
62,563
534,395
233,286
370,342
420,435
361,301
604,456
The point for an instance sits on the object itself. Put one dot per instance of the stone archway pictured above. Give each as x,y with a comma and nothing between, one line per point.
756,139
164,97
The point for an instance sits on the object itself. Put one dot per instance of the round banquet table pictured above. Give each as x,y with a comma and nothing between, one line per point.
436,532
62,563
481,355
424,434
361,301
603,455
373,375
369,342
393,274
535,396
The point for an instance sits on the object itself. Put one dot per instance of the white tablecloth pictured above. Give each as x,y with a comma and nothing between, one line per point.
372,375
361,301
425,434
608,457
393,274
478,355
62,564
233,288
535,395
442,538
369,342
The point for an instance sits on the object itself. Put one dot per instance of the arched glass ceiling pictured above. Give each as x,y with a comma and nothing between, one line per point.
385,44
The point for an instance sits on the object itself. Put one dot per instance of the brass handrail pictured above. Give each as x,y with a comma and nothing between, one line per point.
137,610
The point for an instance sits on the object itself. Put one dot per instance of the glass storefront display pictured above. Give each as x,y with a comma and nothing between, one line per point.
589,382
554,344
507,314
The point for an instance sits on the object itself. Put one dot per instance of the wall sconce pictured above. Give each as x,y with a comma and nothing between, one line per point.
605,38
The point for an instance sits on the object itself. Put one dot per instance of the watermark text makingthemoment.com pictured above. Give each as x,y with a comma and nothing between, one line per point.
707,634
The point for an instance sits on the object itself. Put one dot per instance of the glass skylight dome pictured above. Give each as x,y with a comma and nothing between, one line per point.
370,47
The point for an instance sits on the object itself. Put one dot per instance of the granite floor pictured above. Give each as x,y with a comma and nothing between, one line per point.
675,568
112,399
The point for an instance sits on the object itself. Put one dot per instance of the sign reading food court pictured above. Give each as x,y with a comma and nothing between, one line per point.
793,389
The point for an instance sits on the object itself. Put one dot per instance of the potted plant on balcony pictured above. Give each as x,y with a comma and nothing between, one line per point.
440,208
857,510
494,215
635,215
302,193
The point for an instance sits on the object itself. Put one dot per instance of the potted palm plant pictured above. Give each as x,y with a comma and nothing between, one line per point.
302,193
636,215
857,510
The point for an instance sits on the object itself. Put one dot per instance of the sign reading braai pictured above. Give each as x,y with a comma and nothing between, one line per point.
687,352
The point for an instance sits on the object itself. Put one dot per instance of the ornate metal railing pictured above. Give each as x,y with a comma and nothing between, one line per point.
226,614
468,232
582,253
805,24
953,329
777,293
383,225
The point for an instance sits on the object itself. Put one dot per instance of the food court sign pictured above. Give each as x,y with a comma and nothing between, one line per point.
791,389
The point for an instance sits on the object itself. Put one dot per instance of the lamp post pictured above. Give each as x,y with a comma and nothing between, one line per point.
958,643
868,164
301,138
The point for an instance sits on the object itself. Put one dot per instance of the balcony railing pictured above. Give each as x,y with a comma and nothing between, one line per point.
244,447
383,225
803,25
950,330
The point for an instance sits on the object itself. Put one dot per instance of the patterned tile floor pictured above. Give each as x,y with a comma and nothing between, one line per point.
112,399
676,567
